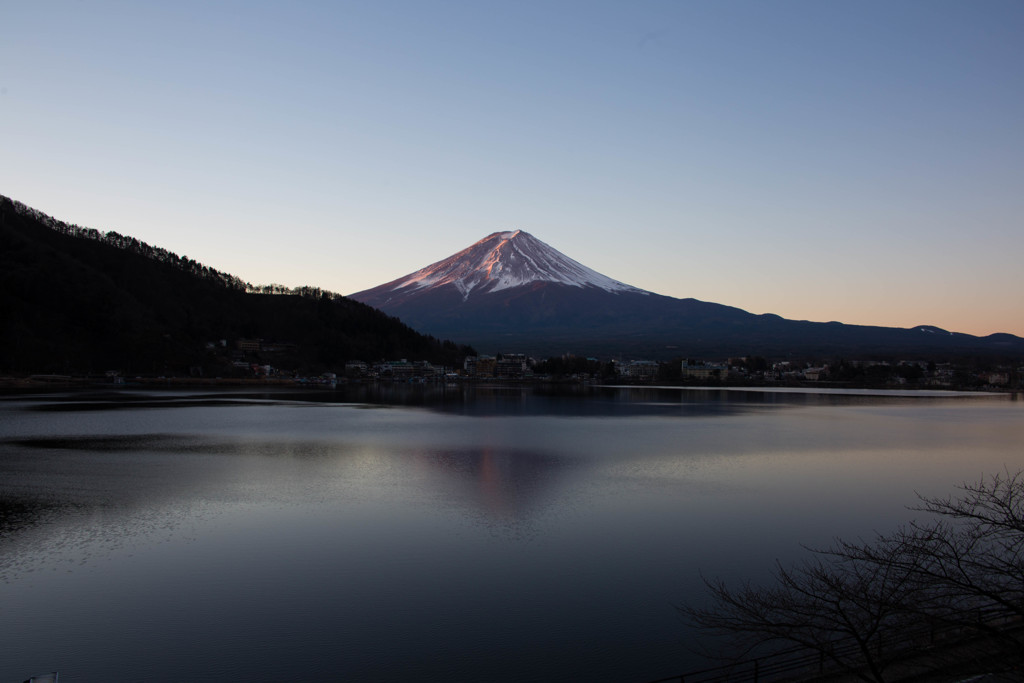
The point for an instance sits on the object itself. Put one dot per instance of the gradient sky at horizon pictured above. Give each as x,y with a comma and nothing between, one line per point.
860,162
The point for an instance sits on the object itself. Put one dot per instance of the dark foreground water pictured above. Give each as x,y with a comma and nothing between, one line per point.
459,534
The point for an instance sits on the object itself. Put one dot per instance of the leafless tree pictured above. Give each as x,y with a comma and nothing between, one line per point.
966,563
953,582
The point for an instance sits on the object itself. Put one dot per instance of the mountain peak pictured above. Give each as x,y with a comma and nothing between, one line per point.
512,292
504,260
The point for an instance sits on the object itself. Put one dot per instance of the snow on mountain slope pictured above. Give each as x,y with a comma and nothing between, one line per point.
510,291
503,260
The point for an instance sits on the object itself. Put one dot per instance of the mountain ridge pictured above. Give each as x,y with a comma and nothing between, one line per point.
563,306
76,300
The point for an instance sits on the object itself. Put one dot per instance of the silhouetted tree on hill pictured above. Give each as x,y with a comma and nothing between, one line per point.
76,300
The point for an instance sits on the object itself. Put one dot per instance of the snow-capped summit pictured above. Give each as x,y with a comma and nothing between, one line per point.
510,292
500,261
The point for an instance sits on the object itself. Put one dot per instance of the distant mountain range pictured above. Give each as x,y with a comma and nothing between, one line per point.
76,300
511,292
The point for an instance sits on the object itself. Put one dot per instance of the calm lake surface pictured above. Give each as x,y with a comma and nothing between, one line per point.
456,534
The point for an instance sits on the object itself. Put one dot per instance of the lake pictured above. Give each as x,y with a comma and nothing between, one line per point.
456,533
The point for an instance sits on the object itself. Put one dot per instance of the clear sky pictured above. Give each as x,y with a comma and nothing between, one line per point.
851,161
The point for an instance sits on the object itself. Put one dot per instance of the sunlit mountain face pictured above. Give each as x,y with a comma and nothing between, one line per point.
500,261
511,292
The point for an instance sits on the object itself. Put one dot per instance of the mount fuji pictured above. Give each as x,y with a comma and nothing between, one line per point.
502,260
511,292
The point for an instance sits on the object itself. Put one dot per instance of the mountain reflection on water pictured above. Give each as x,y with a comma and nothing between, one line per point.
500,481
443,532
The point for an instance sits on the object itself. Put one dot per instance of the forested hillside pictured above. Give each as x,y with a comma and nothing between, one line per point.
78,300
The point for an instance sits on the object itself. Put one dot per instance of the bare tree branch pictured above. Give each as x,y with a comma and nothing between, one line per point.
960,571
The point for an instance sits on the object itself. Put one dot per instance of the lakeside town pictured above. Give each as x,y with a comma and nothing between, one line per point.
255,360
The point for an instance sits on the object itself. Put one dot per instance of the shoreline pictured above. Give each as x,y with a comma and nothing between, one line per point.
50,381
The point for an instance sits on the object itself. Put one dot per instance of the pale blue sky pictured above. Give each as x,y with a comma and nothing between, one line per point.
852,161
